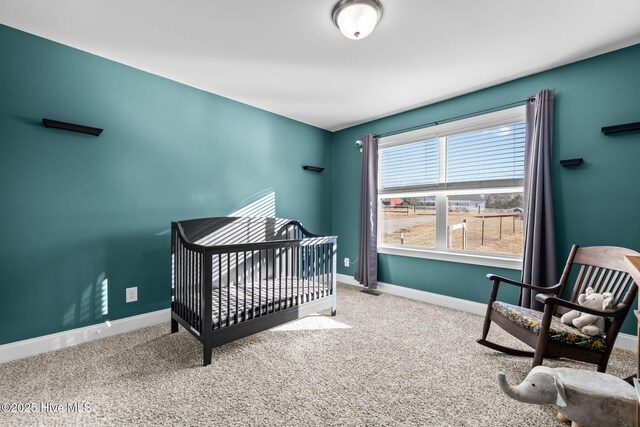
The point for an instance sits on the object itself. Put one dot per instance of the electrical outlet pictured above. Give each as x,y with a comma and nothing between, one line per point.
346,262
132,294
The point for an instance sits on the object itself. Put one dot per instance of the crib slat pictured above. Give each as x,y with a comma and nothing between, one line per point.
194,309
187,272
303,272
179,278
321,271
192,291
309,258
331,272
199,275
286,277
273,281
219,290
319,281
297,270
328,272
235,315
310,276
183,279
253,286
192,285
260,282
228,288
185,283
189,318
285,274
244,284
280,279
192,303
203,280
178,269
176,277
324,270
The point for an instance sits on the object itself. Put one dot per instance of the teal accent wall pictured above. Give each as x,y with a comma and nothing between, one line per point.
595,204
83,218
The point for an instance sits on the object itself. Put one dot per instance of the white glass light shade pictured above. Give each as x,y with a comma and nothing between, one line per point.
357,19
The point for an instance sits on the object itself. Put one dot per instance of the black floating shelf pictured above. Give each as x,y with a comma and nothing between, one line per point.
72,127
629,127
312,168
571,162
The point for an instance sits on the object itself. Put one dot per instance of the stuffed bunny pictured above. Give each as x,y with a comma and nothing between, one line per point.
588,323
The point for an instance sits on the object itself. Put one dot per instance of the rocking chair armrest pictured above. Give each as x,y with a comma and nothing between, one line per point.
549,299
495,278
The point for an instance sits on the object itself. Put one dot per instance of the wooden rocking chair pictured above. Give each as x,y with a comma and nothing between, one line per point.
603,269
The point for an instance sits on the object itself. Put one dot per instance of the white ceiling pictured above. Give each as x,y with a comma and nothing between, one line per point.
287,57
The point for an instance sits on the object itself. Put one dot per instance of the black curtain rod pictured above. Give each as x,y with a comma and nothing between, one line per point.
463,116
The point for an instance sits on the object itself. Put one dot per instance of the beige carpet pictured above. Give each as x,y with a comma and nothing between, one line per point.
383,360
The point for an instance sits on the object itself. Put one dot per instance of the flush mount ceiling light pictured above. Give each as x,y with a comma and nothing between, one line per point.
356,19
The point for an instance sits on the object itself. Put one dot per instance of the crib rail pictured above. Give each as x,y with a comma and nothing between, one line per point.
214,287
256,281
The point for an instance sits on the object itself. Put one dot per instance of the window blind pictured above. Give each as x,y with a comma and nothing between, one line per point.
486,155
410,165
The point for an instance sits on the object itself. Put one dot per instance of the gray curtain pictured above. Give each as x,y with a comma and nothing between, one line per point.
539,263
367,267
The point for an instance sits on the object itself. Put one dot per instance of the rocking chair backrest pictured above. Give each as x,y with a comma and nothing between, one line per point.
601,268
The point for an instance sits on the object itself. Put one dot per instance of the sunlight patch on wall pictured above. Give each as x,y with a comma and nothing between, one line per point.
69,317
85,304
260,204
103,294
259,207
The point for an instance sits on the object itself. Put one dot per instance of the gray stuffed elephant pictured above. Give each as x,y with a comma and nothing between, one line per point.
585,397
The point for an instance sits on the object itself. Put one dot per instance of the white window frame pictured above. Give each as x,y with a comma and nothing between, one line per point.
441,252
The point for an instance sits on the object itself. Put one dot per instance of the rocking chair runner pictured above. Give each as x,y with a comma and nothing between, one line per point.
603,269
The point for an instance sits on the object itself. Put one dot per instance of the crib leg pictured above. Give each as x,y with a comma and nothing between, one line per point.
207,352
174,326
334,312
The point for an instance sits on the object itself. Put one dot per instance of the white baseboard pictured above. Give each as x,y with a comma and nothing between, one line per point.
33,346
43,344
624,341
627,342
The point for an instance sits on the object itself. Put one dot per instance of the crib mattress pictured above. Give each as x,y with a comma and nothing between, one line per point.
264,297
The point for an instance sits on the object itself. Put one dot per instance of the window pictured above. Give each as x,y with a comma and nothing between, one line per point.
455,191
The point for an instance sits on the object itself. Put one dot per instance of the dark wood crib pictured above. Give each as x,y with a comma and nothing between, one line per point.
232,277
